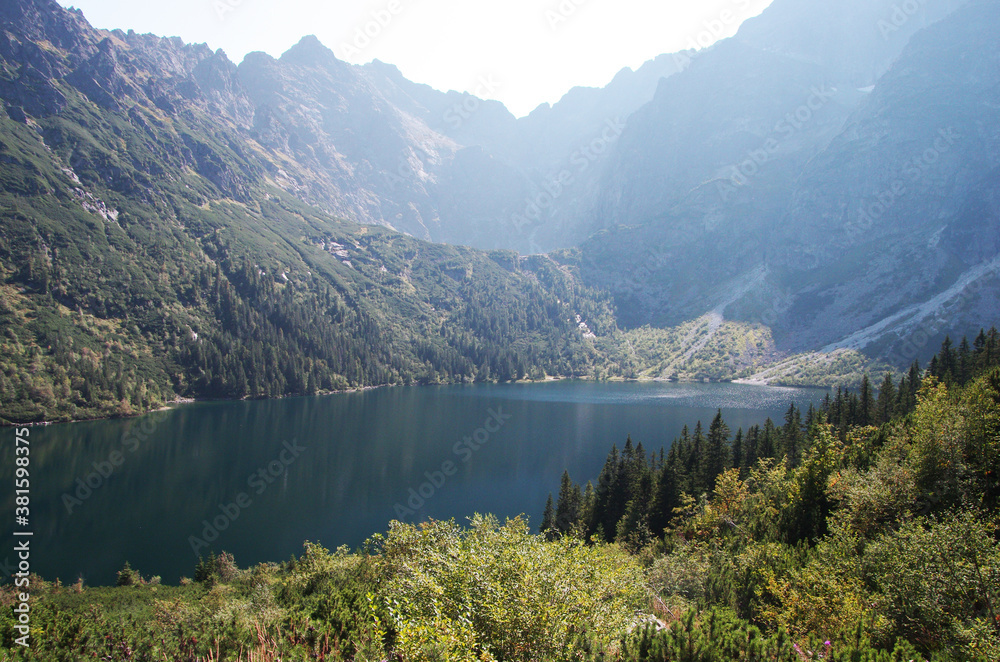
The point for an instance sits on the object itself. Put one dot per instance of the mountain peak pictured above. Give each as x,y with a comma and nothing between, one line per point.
309,51
390,71
19,9
44,20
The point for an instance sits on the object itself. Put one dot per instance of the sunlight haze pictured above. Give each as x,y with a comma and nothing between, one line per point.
533,51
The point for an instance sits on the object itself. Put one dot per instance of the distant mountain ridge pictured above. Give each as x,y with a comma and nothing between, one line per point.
373,146
157,239
857,173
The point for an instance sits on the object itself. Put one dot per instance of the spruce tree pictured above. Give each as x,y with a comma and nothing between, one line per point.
751,447
738,460
866,404
990,354
902,394
979,351
914,380
664,498
695,463
768,440
886,403
934,369
791,436
548,519
963,366
606,494
837,409
587,507
716,452
947,363
679,454
568,506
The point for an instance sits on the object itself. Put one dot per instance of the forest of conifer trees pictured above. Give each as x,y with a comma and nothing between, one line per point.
866,527
638,492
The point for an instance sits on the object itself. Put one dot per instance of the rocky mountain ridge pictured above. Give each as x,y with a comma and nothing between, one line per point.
821,185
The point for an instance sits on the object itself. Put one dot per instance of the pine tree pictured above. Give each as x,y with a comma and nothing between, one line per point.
886,403
716,452
791,436
738,460
548,519
866,404
964,361
568,506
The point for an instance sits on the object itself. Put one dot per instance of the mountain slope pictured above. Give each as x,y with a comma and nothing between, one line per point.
714,180
918,224
148,249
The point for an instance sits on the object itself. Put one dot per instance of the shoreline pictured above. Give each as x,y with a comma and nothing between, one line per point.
175,403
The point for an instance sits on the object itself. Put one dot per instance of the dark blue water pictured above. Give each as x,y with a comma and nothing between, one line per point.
268,475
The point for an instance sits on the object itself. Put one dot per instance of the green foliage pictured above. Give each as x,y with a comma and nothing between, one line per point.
701,349
937,583
719,636
879,544
828,538
144,260
437,591
128,577
495,592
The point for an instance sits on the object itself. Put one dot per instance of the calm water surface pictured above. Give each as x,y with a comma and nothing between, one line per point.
334,469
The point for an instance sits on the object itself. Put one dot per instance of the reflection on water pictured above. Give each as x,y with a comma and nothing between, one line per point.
264,476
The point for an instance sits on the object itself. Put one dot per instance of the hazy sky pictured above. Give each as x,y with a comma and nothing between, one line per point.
533,50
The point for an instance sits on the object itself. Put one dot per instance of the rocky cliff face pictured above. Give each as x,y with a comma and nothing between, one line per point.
830,171
902,203
849,152
360,142
780,88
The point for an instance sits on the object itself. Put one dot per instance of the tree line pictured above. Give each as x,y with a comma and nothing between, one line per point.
638,493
